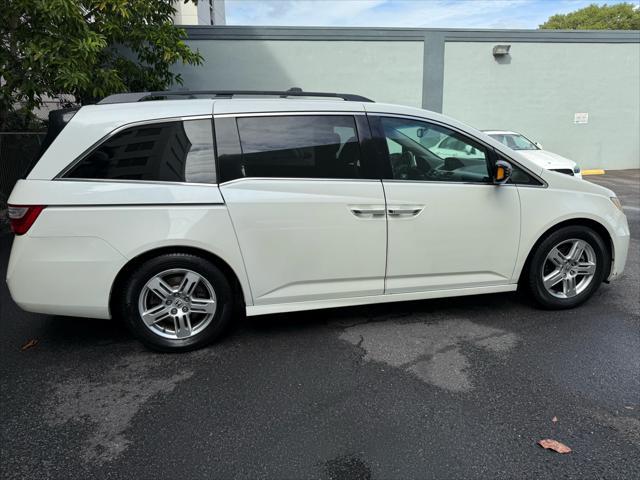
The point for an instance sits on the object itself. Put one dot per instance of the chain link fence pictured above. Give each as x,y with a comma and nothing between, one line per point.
18,150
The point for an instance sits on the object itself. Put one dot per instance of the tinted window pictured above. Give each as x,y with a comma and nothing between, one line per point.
519,176
424,151
169,152
300,146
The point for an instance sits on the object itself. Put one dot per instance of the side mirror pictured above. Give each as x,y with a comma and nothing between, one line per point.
502,172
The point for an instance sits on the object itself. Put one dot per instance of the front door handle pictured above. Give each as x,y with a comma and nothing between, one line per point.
405,210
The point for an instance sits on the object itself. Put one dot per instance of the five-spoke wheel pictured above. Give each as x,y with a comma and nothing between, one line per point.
177,302
567,267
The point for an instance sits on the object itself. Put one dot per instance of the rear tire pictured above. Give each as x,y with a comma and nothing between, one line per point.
567,267
177,302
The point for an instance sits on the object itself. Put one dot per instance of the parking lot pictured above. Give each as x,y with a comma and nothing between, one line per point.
452,388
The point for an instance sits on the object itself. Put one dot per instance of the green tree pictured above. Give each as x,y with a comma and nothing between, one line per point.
621,16
86,48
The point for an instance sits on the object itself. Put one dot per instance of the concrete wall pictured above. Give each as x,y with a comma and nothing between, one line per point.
547,78
368,68
539,87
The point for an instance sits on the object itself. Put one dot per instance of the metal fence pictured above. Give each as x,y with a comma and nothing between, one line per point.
17,152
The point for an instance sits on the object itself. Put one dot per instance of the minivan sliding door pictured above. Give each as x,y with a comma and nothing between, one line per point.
308,210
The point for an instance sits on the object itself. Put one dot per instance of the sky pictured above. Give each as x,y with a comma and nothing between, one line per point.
401,13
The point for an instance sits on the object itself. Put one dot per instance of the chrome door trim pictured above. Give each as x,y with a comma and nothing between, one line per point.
446,182
284,113
298,179
143,182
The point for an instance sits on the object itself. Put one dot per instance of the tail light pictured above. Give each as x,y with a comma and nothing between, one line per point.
22,217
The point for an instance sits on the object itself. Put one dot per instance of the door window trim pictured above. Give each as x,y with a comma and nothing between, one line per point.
491,150
287,113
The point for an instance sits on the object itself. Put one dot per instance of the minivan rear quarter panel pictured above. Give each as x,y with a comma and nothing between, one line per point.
90,230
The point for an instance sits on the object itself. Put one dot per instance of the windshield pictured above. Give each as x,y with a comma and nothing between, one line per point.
514,141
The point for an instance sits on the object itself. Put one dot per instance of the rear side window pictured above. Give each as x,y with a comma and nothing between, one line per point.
296,146
180,151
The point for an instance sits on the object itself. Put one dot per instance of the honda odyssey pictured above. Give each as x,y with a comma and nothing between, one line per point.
176,211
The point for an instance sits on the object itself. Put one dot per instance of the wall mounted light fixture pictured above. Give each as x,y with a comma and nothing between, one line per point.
501,50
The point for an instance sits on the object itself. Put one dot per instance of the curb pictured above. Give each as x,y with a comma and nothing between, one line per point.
593,172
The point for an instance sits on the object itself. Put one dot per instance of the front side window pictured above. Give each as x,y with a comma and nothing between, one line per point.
296,146
423,151
177,151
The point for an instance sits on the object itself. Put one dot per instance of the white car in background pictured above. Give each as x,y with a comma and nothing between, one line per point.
533,151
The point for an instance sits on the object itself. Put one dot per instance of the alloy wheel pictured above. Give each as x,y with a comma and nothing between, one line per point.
569,268
177,303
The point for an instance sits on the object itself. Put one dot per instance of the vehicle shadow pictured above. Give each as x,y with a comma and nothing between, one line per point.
478,306
73,333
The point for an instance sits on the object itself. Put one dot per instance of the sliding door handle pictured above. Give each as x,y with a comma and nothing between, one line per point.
375,211
367,211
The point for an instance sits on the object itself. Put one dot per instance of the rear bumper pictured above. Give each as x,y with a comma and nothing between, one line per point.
63,275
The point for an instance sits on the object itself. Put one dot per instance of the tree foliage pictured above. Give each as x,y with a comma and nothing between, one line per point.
621,16
87,48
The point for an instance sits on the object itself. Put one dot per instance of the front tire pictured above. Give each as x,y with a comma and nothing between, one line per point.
567,267
177,302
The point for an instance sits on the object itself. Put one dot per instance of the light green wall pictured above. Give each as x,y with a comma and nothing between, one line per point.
540,87
536,91
385,71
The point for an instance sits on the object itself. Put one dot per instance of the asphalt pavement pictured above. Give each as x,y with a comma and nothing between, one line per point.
452,388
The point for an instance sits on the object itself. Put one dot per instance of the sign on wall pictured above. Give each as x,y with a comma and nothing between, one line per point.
582,117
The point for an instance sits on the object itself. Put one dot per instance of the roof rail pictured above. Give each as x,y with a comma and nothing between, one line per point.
164,95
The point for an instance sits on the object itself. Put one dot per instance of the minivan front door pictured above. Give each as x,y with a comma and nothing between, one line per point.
308,212
448,226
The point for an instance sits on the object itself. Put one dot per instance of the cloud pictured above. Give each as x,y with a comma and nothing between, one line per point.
399,13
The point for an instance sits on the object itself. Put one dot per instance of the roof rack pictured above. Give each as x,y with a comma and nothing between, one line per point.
165,95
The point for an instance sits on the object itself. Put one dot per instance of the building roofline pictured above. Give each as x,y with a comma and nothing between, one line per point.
232,32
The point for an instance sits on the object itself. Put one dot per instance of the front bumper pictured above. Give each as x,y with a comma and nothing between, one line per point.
620,238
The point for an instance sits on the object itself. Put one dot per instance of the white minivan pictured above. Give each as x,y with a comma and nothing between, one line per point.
177,211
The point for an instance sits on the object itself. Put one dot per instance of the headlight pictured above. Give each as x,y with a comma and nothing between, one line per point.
576,169
616,202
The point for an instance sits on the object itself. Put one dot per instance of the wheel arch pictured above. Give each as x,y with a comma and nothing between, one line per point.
598,227
138,260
